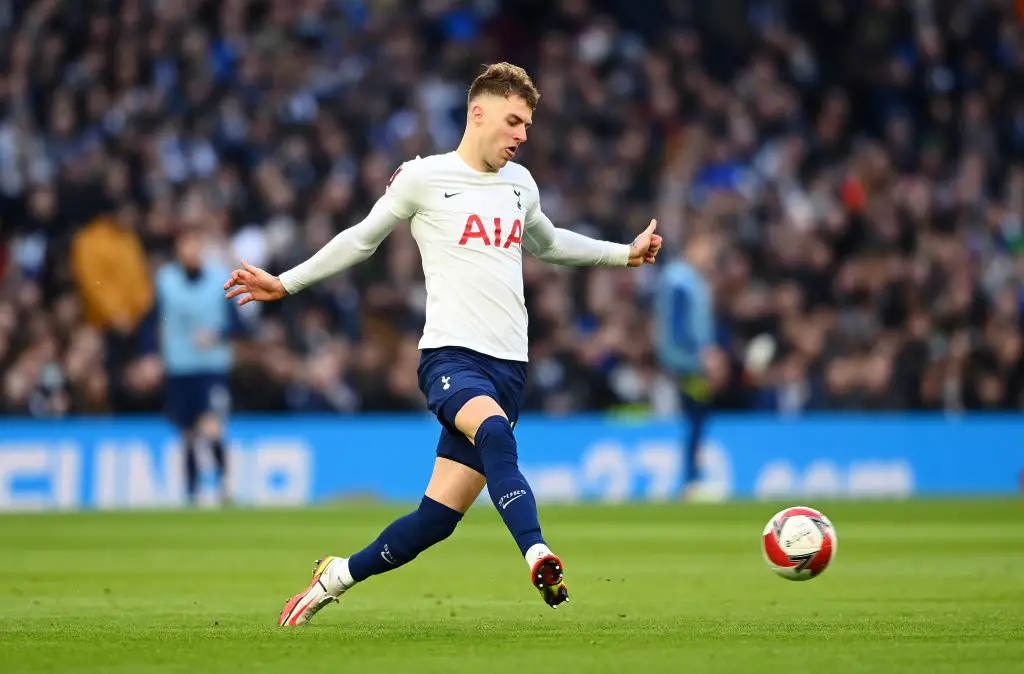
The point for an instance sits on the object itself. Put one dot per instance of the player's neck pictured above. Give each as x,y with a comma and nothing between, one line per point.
471,157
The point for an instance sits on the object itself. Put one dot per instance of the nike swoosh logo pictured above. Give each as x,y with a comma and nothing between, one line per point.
508,502
449,196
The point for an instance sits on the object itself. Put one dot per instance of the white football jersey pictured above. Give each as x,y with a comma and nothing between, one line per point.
471,228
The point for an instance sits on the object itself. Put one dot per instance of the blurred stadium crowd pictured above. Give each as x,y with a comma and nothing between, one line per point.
856,166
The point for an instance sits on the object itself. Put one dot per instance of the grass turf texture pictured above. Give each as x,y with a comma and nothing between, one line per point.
915,587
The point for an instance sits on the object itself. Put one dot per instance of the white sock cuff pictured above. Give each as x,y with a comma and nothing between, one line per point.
536,552
342,573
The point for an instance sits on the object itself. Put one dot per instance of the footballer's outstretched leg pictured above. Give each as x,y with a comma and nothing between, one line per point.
450,492
511,493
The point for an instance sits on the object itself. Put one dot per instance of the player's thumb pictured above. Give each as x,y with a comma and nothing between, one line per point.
651,227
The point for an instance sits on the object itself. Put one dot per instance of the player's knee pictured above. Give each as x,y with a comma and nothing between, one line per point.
474,408
495,428
496,440
437,520
434,522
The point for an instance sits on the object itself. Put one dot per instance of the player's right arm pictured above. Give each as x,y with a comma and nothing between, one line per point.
562,246
347,249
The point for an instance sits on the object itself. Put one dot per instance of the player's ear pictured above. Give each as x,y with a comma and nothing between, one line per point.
476,112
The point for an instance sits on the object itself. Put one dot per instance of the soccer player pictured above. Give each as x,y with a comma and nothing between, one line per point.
195,328
472,212
684,314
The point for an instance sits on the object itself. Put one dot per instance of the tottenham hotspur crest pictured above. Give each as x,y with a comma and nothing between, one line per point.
447,382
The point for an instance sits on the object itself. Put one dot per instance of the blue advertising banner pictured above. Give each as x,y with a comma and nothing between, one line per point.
295,460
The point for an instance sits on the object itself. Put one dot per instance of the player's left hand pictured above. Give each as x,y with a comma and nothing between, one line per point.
253,283
645,247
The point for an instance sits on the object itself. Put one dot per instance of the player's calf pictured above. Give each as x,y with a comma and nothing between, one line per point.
508,488
401,542
405,538
514,499
398,544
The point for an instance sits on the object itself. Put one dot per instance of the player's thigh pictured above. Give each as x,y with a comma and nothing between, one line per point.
457,387
454,484
474,412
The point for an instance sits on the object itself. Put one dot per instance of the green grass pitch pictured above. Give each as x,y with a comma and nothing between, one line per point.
923,586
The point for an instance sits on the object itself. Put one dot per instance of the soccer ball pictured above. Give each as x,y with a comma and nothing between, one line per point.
798,543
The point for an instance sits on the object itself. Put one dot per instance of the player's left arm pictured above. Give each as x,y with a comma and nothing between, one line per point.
562,246
352,246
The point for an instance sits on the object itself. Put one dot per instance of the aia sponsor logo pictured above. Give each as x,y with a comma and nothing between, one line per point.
475,230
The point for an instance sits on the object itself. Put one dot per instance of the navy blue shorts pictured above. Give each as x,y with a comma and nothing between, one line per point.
451,376
188,397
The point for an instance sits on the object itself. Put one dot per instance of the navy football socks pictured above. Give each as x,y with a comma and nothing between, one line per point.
404,539
508,488
432,522
191,470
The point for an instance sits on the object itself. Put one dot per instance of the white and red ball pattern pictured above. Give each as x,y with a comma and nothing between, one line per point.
799,543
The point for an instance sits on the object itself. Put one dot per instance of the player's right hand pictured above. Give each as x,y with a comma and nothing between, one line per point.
645,247
252,283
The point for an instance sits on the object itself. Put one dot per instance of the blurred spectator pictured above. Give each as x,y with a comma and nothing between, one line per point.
194,341
111,275
110,271
861,160
685,343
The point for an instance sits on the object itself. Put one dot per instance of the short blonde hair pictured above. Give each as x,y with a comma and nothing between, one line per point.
505,80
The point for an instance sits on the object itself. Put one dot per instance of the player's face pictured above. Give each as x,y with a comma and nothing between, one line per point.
506,121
